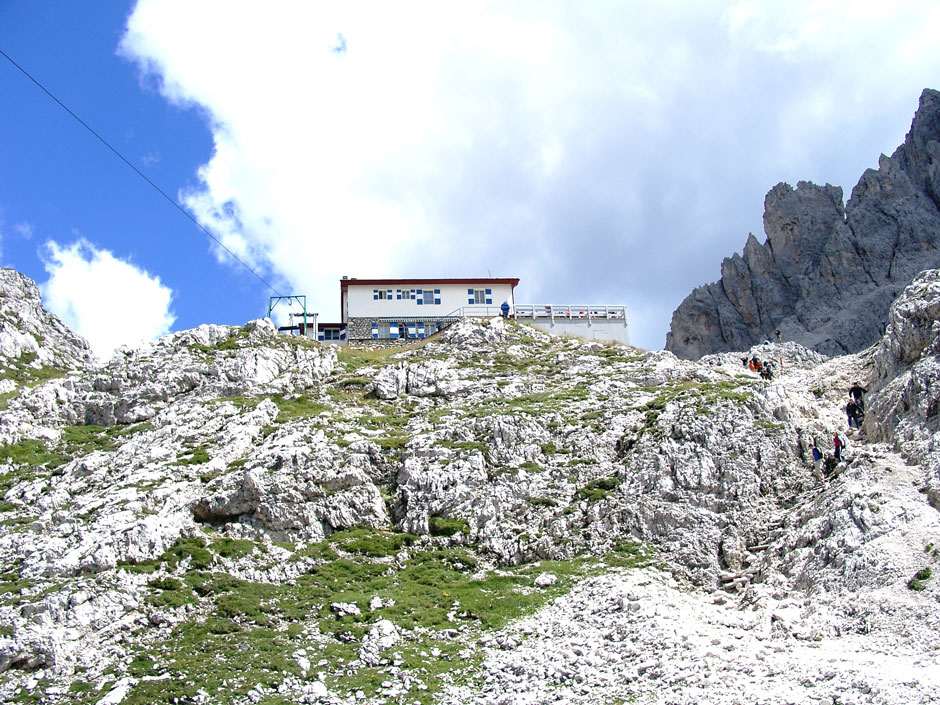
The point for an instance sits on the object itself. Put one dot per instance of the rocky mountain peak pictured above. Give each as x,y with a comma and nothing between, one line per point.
31,336
826,273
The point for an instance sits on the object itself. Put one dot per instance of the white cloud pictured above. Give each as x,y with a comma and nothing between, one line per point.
105,299
575,145
24,230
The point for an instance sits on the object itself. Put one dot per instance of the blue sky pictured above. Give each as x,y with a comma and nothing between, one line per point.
602,152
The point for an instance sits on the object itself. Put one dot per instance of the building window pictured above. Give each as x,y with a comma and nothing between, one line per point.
382,294
479,296
428,296
332,334
384,331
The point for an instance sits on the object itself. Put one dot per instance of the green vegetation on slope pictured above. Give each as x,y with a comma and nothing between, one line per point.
243,633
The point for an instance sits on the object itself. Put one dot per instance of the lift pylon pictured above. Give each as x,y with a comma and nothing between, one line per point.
302,314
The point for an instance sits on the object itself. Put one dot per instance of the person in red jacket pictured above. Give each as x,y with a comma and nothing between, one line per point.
839,443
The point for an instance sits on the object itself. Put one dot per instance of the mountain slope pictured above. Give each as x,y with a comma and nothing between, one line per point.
232,515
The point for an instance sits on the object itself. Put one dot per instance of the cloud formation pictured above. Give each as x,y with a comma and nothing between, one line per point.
602,152
106,300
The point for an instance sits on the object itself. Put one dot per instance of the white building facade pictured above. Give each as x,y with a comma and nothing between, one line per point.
381,310
394,311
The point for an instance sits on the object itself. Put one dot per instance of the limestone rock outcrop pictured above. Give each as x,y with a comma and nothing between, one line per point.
827,272
904,407
31,338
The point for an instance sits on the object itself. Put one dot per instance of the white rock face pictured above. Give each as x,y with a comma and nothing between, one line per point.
903,407
382,635
27,329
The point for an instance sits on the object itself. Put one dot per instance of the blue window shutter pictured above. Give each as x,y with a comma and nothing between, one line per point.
393,330
398,292
342,333
319,336
488,291
437,297
375,294
489,300
375,330
389,295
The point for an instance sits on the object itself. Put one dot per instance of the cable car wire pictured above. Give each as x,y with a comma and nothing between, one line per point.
137,171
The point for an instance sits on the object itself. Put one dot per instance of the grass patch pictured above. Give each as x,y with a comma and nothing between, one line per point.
552,449
232,548
464,445
23,371
599,489
442,526
12,587
248,630
299,407
193,456
357,358
385,421
920,577
392,442
32,452
194,549
366,541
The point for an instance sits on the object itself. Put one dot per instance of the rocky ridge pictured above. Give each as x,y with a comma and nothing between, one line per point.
827,272
374,526
34,344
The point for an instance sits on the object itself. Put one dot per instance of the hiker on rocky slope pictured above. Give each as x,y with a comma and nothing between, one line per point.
817,462
839,443
854,412
858,392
